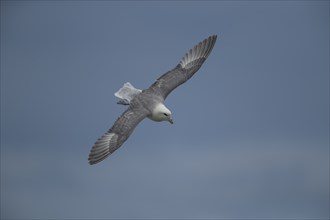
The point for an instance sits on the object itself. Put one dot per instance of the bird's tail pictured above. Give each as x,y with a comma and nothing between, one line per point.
127,93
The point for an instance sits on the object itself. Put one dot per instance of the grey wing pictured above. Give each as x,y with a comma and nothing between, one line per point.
116,136
187,67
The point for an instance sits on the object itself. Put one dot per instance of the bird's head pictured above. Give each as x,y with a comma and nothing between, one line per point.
161,113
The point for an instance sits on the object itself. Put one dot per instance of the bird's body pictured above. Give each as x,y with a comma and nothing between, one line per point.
149,102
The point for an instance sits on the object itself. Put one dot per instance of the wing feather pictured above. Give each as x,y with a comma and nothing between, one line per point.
187,67
116,135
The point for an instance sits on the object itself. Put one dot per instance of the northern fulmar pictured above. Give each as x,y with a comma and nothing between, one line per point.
149,102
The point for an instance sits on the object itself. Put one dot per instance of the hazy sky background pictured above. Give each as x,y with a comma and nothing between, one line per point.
251,129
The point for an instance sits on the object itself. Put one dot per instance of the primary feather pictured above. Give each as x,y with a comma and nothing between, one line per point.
187,67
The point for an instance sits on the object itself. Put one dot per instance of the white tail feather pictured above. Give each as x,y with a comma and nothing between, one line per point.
127,92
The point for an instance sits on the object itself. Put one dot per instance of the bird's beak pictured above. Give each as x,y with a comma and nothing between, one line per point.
170,120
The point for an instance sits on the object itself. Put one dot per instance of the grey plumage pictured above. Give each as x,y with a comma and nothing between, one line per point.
187,67
116,135
149,102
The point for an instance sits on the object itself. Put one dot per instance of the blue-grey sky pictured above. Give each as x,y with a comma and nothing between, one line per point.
251,131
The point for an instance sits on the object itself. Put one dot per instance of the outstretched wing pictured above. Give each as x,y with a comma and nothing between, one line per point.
117,135
188,65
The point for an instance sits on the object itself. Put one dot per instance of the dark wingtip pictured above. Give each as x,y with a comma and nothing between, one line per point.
198,53
103,147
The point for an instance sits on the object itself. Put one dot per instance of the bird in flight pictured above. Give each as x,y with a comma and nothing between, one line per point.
149,102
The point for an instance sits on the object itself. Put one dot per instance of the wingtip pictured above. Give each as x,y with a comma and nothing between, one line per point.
210,38
102,148
200,51
213,36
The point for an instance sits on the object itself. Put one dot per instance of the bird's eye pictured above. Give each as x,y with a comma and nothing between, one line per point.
165,114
